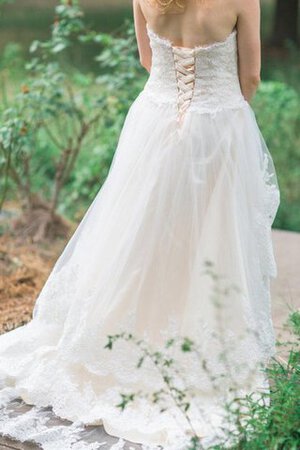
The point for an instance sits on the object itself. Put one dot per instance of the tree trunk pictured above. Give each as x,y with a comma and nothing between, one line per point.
286,26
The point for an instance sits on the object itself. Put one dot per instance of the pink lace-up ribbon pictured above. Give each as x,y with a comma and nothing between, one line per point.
184,60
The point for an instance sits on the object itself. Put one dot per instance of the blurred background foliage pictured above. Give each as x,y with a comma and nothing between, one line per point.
68,75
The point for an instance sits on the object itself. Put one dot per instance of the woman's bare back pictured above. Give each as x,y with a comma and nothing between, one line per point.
200,22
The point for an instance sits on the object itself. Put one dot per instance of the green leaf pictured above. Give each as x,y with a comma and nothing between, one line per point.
34,46
59,47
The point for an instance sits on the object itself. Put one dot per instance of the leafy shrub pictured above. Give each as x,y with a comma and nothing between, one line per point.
277,107
277,427
49,113
60,132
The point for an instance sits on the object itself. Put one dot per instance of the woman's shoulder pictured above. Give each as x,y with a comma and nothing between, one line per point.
246,6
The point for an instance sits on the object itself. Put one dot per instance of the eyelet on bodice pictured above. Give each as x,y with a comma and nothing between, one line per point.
203,79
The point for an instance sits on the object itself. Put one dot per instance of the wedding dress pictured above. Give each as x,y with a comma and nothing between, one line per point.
187,207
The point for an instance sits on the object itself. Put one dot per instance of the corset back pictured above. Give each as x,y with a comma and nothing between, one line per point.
203,78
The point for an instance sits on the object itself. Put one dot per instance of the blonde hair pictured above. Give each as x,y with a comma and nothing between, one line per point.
165,5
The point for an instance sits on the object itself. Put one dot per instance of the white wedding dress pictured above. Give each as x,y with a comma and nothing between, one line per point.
192,189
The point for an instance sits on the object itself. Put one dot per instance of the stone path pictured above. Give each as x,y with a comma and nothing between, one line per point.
285,294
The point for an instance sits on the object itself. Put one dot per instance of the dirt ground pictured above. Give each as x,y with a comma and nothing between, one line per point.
24,268
285,289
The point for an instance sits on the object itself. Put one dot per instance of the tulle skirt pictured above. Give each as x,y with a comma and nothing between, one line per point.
175,248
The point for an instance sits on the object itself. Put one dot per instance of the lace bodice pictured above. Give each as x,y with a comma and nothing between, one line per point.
204,78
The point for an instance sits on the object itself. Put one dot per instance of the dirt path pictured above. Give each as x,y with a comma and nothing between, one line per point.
32,268
285,289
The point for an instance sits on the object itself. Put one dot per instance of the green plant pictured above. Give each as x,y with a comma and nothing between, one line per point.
277,107
274,422
48,105
60,132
